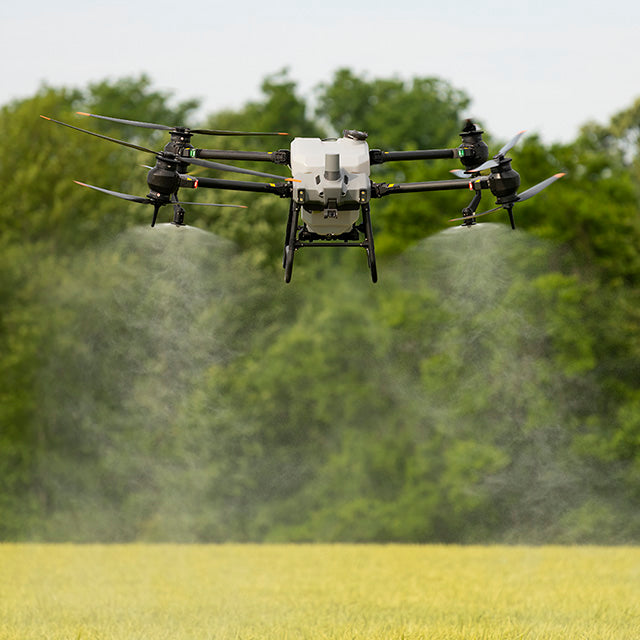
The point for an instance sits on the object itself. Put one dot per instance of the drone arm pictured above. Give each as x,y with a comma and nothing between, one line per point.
282,156
376,156
378,190
282,189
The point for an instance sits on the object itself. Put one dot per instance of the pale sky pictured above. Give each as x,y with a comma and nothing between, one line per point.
544,66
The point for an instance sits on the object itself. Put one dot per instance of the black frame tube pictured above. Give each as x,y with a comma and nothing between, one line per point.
215,154
383,189
278,188
379,157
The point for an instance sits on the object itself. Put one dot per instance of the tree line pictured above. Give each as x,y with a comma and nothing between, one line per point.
164,384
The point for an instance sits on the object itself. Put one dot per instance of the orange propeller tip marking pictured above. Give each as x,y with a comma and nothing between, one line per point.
45,117
82,113
291,180
559,175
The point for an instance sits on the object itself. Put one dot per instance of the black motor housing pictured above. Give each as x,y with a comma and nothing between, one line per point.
164,178
504,182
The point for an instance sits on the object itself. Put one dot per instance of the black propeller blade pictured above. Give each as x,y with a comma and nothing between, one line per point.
529,193
117,194
156,202
197,161
99,135
461,173
163,127
521,197
148,200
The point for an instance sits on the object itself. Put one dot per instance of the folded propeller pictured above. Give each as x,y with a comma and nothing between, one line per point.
167,156
518,197
165,178
157,200
503,181
184,130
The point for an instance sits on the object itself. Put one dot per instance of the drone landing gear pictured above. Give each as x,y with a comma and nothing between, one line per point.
368,241
290,243
156,208
468,213
297,237
178,211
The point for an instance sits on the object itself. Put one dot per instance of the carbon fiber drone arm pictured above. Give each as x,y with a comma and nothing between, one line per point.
376,156
282,189
380,189
472,152
282,156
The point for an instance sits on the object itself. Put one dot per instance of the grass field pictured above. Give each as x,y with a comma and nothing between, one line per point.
318,591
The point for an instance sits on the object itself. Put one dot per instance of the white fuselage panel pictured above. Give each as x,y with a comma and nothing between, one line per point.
334,182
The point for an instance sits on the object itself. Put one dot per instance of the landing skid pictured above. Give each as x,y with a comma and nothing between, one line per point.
298,237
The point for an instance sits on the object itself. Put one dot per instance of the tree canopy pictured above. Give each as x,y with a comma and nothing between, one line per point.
166,385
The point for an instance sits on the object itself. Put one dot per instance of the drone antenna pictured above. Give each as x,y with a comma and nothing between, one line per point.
156,208
332,166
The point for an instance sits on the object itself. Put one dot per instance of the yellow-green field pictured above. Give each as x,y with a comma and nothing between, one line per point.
318,591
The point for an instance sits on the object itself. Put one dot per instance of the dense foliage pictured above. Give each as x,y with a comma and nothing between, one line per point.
166,385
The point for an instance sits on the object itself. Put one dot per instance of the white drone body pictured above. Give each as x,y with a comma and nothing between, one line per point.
334,182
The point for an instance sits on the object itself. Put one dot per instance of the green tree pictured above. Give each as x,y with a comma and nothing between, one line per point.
486,389
422,113
49,220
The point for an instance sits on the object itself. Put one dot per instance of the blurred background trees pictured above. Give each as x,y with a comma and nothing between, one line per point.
166,385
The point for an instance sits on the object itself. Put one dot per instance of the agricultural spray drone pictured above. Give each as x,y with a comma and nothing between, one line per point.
330,191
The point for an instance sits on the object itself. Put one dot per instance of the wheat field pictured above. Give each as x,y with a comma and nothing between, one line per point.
318,591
